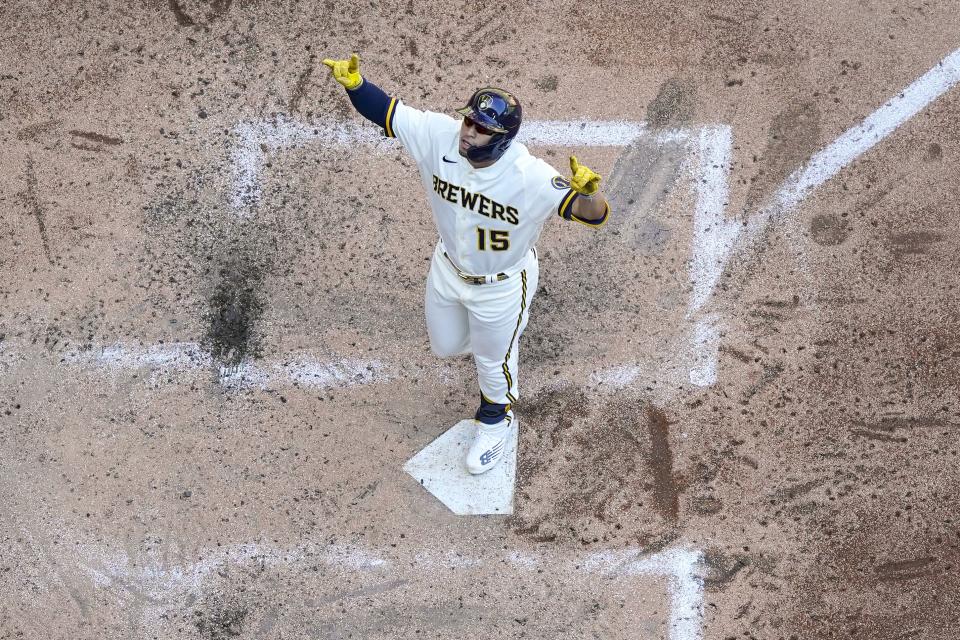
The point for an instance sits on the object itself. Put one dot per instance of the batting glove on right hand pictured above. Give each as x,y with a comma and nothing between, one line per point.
346,72
584,180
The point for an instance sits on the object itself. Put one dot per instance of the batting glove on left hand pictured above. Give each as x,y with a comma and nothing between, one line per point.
584,180
346,72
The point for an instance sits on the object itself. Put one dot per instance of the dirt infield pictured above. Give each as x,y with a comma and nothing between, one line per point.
214,364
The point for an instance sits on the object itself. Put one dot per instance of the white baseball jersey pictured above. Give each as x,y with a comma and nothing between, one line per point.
488,218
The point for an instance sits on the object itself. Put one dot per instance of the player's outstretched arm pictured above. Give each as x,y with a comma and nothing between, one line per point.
591,205
368,99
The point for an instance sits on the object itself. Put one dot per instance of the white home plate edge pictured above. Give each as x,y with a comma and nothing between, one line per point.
439,468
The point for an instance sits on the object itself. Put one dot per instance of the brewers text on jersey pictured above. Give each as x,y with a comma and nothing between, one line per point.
475,201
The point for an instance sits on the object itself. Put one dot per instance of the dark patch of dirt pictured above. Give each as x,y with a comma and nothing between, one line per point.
768,374
235,308
794,491
220,623
183,19
907,569
737,353
86,147
660,460
547,83
881,437
220,7
722,569
828,230
186,12
219,260
673,105
705,505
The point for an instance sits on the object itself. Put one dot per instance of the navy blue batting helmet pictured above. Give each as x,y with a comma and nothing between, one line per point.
496,110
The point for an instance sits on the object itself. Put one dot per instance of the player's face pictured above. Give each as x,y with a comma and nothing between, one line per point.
473,135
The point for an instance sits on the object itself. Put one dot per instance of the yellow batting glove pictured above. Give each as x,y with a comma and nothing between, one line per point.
584,180
346,72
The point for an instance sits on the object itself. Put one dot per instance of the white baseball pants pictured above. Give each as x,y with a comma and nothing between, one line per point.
483,319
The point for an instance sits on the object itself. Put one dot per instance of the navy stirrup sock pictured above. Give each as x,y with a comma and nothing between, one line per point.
491,413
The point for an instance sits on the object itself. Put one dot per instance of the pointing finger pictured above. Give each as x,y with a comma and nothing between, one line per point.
329,62
354,63
574,165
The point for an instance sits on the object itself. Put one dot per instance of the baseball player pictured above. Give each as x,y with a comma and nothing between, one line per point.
490,199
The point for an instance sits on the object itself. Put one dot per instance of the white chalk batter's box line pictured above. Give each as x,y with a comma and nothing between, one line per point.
170,583
707,166
282,132
170,359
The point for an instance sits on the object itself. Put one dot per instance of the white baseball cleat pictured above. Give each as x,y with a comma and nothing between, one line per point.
489,445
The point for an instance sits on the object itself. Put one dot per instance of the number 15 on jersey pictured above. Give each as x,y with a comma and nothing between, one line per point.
492,239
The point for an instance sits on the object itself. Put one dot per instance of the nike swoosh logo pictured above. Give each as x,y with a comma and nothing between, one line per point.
450,161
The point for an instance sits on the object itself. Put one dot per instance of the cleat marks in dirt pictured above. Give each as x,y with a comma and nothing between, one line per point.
886,430
37,210
300,89
640,182
791,493
770,373
97,138
184,15
599,474
736,353
913,242
770,311
906,570
873,435
586,461
34,131
183,19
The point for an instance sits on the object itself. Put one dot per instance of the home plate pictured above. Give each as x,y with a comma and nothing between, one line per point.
440,468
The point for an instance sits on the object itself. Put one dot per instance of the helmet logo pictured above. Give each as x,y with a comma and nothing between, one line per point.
498,111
